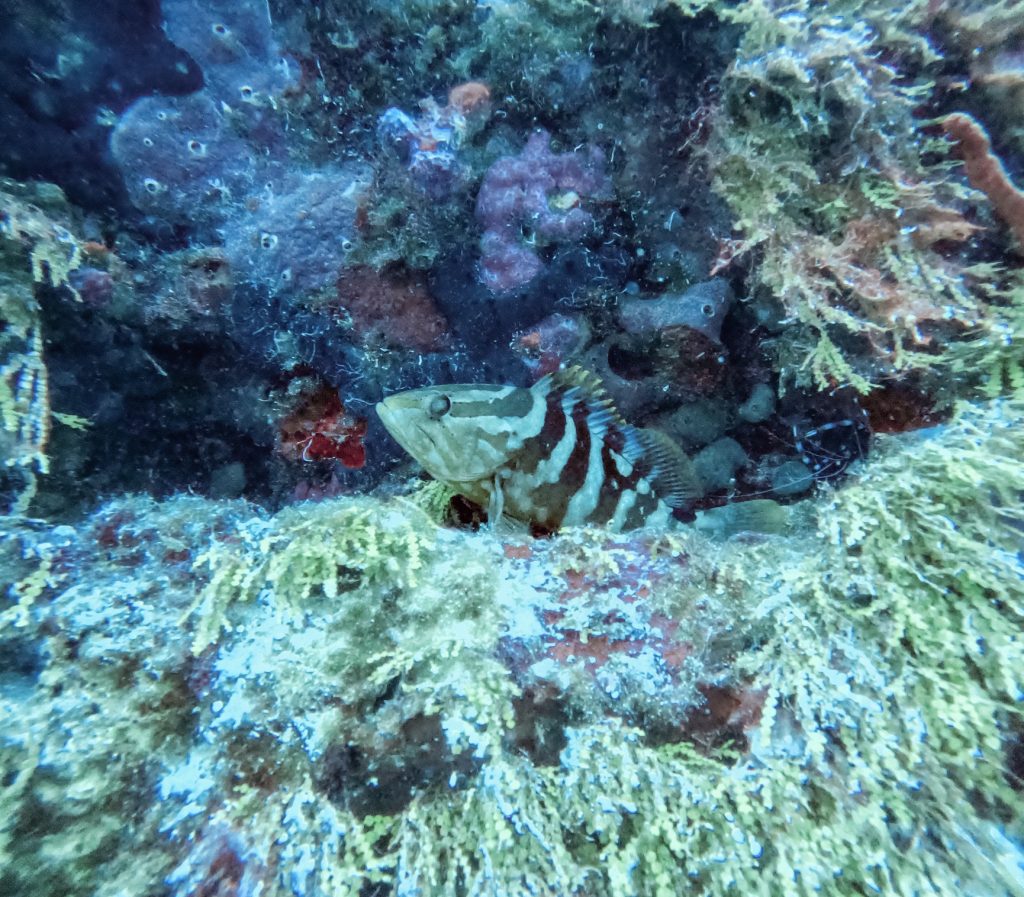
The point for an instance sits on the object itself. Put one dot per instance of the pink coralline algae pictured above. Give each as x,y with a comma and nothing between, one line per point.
535,198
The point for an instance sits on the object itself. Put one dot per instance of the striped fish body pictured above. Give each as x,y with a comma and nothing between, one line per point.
553,455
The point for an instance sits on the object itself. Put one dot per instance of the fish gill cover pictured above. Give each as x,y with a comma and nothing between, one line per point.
246,647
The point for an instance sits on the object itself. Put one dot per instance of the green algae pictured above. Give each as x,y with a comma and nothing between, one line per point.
840,191
377,724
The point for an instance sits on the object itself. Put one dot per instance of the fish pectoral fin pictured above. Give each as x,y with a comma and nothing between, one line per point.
496,505
501,523
674,478
511,526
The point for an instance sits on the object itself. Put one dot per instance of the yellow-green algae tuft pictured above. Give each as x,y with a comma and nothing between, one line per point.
34,249
851,210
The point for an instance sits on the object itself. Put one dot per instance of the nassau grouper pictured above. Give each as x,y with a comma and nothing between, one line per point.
556,454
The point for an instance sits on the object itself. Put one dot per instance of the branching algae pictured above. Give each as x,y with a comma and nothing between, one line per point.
364,720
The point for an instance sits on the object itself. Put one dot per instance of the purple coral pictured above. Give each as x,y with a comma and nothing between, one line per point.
535,197
192,159
429,147
294,239
429,144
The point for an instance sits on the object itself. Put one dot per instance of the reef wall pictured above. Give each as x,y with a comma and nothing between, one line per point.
245,649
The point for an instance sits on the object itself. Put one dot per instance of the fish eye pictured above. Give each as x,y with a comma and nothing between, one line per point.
439,407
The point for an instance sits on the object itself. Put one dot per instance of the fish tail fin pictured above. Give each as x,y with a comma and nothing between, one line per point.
759,515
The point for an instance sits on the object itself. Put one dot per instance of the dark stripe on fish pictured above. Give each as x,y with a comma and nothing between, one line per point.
540,447
572,475
516,404
553,454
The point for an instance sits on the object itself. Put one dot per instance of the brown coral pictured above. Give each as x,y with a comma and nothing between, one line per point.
985,171
395,308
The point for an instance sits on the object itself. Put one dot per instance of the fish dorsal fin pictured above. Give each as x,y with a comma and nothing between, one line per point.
602,414
588,383
496,506
671,472
599,420
575,377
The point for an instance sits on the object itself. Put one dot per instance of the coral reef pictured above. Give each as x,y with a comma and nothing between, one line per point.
189,288
244,647
429,144
318,428
701,308
181,161
551,344
856,253
419,708
233,44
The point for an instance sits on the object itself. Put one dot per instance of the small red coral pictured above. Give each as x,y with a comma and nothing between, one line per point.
319,430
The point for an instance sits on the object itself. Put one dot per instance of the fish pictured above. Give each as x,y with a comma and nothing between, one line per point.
552,455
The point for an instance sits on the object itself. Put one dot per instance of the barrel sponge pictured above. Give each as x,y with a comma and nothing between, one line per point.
190,159
294,237
234,45
179,161
702,308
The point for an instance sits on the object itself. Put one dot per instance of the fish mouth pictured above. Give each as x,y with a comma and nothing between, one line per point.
389,417
410,435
